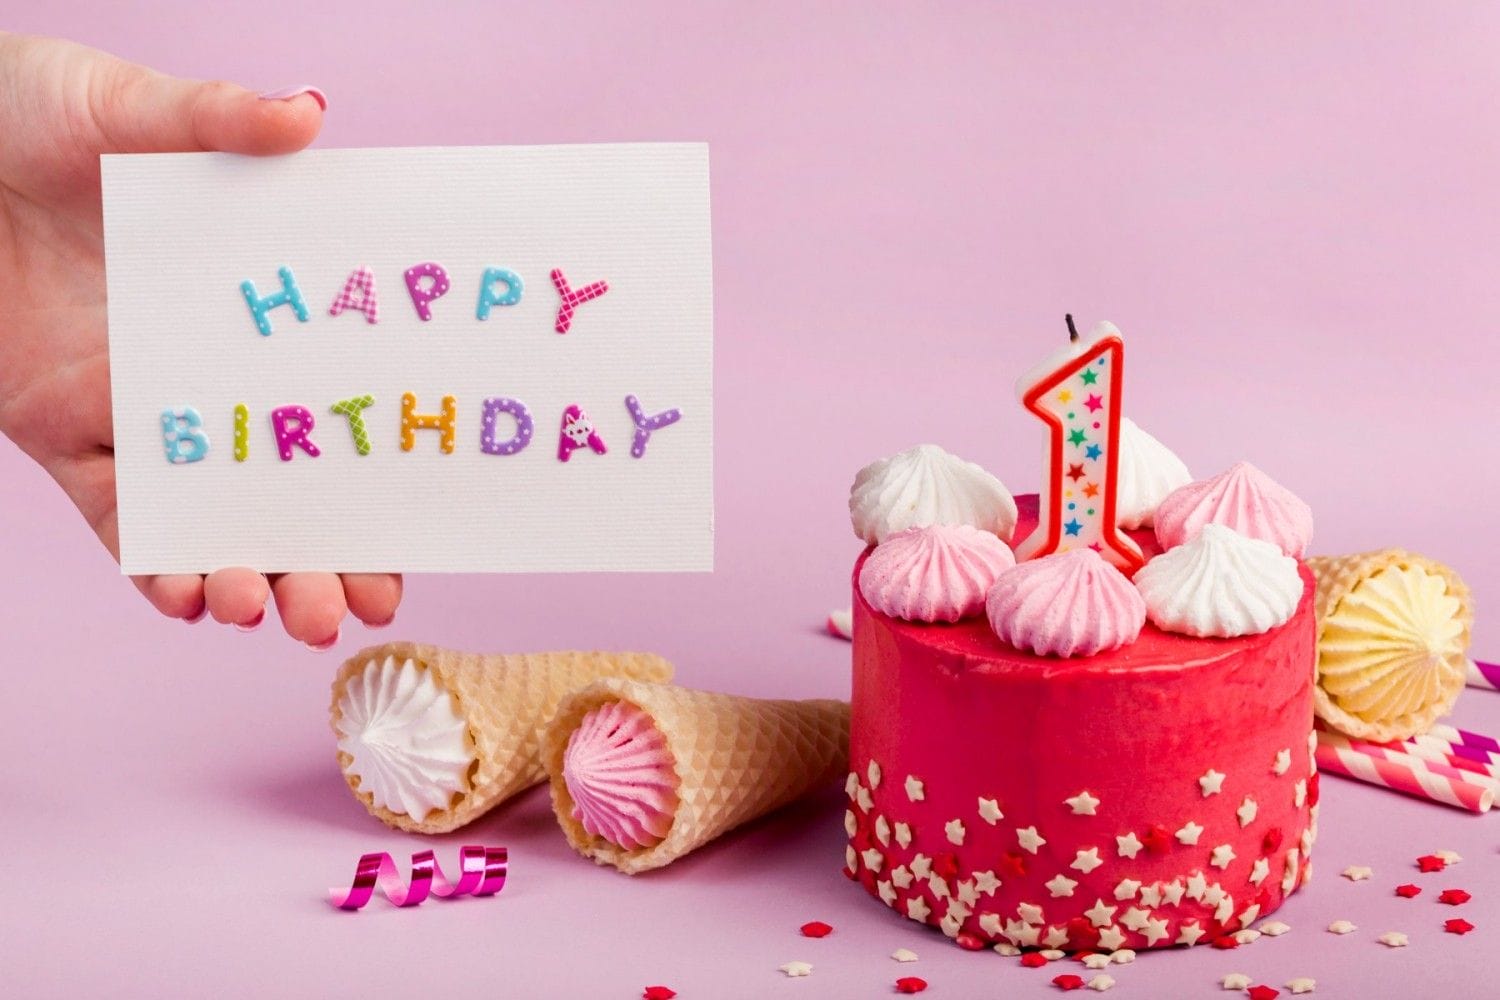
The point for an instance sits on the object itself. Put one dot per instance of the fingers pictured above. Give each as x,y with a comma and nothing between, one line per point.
140,111
237,597
373,597
176,595
311,606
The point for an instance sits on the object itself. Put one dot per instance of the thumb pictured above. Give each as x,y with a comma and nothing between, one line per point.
142,111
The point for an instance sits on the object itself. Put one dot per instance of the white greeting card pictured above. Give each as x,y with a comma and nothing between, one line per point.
449,359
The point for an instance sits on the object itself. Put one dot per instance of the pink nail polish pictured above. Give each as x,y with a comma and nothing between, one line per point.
252,624
325,646
384,624
195,619
287,93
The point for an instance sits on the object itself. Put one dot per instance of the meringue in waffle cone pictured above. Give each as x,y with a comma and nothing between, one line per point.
735,758
443,736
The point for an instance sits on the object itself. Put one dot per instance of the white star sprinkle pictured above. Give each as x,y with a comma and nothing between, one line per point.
921,866
989,810
1134,918
851,784
1100,915
873,773
1342,927
1189,933
1006,948
989,923
1171,893
1283,761
1259,870
967,893
1096,960
1214,895
1051,954
1305,984
796,969
954,829
1127,888
1111,937
1393,939
1060,885
873,859
1189,833
1246,936
1150,895
1023,934
1299,792
1197,886
1235,981
1055,937
1221,856
1357,873
1029,838
850,858
1451,857
1246,812
1029,912
1122,957
986,882
903,834
914,788
1087,861
863,798
917,909
951,924
904,955
901,876
1249,915
887,892
851,824
1083,804
1225,908
883,831
937,886
1156,930
1274,928
1289,877
1129,845
1212,782
1100,983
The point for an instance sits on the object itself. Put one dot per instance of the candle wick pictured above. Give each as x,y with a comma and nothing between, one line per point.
1072,330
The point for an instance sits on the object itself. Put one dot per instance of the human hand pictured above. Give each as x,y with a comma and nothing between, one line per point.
61,106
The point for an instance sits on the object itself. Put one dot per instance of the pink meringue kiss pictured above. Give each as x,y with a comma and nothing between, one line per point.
1072,604
937,573
1245,499
620,776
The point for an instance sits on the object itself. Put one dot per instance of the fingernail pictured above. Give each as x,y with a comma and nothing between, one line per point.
287,93
325,646
252,624
384,624
195,619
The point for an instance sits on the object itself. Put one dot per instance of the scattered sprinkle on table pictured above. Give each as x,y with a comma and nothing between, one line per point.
1033,960
1449,857
1357,873
1458,925
1408,890
796,970
1068,981
1235,981
1454,897
1263,992
1303,984
904,955
910,984
658,993
1097,960
1122,957
816,929
1274,928
1246,936
1342,927
1393,939
1431,863
1100,983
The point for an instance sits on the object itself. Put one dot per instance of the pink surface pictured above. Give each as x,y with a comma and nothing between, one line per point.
1287,208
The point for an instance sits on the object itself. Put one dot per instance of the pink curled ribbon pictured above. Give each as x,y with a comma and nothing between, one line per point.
484,870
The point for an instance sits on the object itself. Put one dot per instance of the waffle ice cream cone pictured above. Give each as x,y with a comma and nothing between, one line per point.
735,758
1393,638
495,708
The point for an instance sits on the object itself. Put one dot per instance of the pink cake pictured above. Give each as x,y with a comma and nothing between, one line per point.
1159,794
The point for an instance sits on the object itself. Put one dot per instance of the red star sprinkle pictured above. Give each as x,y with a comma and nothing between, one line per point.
1033,960
969,942
1158,840
1431,863
1075,472
1458,925
849,873
816,929
945,866
658,993
1408,891
1013,864
1068,982
910,984
1263,993
1312,789
1081,931
1226,942
1083,955
1272,841
1454,897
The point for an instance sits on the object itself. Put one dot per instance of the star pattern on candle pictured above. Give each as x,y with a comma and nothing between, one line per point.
1075,472
1091,490
1076,436
1093,451
1073,527
1064,396
1088,376
1094,402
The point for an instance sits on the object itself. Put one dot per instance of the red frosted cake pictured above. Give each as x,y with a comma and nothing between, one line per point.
1064,753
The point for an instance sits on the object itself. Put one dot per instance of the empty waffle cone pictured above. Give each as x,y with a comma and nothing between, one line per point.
1393,638
490,723
735,758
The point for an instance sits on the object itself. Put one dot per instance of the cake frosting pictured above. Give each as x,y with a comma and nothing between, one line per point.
409,747
620,776
926,485
938,573
1221,584
1072,604
1149,472
1242,498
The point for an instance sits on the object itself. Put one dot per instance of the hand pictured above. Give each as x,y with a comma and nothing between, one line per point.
61,105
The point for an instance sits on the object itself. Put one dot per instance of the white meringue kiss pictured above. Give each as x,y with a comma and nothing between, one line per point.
1221,584
1073,604
1149,471
939,573
926,485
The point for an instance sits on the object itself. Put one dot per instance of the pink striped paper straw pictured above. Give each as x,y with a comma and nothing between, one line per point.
1464,738
1484,675
1398,777
1397,753
1467,758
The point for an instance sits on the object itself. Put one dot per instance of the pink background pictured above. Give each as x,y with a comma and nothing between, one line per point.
1289,209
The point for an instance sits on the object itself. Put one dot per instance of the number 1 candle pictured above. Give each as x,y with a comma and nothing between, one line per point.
1076,393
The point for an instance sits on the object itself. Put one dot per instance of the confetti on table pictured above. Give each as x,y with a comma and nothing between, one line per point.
1033,960
1449,857
1357,873
904,955
840,623
1431,863
910,984
1274,928
1263,992
1408,891
795,970
1393,939
1068,981
658,993
484,870
1303,984
1342,927
1100,983
1235,981
1458,925
816,929
1454,897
